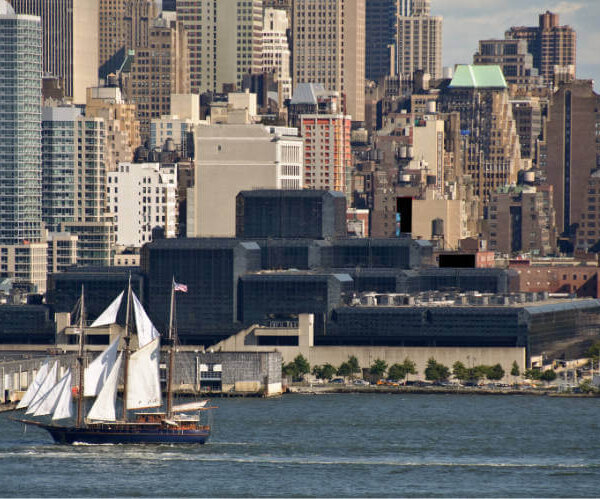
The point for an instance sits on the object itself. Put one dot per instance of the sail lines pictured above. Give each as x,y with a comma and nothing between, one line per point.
104,406
97,372
143,389
35,386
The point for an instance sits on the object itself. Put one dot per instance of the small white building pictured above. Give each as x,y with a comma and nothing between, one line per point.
142,197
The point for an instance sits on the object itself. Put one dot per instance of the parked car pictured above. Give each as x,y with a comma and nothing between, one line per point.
338,381
361,382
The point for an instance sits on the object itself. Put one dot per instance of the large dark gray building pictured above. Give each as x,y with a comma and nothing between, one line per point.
276,295
101,285
211,269
291,214
552,329
26,324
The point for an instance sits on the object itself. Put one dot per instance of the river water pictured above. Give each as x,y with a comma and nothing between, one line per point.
334,445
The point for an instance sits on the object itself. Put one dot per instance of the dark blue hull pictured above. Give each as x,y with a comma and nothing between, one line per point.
75,435
124,434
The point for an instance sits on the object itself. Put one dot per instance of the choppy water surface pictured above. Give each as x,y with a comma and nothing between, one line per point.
334,445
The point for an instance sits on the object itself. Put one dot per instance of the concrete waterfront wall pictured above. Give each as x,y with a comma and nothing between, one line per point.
248,372
366,355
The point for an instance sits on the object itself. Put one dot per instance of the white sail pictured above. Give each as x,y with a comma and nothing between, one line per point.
109,316
104,407
49,402
45,387
97,372
145,329
143,385
34,386
191,406
64,406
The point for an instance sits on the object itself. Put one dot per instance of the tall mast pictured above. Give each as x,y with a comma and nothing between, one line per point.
171,353
80,360
127,351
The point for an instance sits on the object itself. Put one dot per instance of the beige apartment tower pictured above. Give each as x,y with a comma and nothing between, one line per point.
225,41
418,44
329,48
69,41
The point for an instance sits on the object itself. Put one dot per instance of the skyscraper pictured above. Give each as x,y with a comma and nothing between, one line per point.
380,35
70,41
572,153
22,251
550,44
20,127
418,44
123,25
329,48
276,52
489,139
159,70
225,41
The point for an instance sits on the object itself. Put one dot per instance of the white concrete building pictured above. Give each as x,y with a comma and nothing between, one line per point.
276,53
142,196
233,158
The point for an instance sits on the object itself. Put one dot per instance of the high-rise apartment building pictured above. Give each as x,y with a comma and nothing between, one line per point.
225,41
418,44
276,54
380,36
142,197
327,153
123,25
22,251
513,58
573,152
550,44
20,127
329,48
74,182
69,40
159,70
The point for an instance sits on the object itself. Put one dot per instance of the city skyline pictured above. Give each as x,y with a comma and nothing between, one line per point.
484,19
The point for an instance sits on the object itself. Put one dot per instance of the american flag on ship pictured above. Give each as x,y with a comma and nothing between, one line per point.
179,287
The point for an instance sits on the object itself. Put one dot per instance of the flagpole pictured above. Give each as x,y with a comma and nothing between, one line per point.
171,354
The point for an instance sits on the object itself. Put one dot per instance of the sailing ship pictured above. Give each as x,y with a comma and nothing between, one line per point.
141,389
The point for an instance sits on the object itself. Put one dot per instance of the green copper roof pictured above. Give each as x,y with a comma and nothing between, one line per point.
471,76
